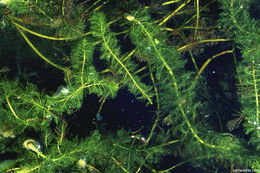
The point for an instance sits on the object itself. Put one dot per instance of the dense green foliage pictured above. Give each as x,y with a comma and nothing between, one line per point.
154,51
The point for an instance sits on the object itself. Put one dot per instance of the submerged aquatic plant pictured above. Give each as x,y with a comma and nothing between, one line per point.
171,55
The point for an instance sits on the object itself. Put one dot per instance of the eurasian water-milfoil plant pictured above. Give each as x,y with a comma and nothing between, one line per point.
194,64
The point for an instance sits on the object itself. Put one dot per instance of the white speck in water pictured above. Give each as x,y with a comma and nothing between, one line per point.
65,91
38,146
206,116
62,90
213,71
